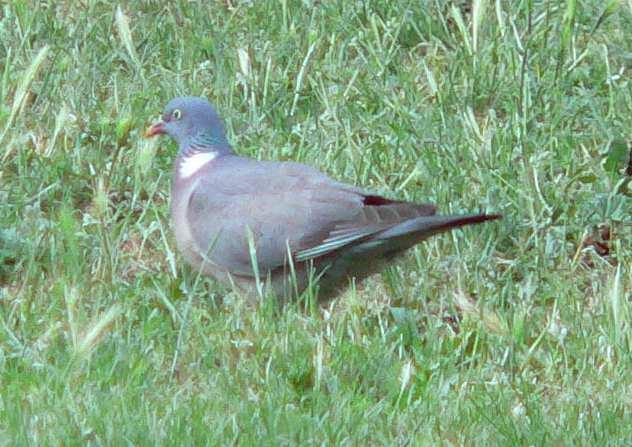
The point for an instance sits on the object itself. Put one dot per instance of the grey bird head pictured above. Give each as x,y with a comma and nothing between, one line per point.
190,120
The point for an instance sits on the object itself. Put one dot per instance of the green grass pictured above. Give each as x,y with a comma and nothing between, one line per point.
513,333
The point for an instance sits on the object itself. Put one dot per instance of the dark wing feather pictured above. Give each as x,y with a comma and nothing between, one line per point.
370,220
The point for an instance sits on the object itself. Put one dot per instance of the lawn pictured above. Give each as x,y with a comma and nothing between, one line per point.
516,332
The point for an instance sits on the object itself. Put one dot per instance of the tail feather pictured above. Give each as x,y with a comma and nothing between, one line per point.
423,227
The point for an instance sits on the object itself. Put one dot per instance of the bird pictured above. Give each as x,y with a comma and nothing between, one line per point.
280,226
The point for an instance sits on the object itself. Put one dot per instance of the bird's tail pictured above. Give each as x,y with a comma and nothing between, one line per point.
368,256
420,228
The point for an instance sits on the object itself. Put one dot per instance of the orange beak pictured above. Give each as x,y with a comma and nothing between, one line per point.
157,128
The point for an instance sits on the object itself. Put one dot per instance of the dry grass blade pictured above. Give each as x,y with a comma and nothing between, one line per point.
478,13
60,121
124,32
97,330
21,93
490,320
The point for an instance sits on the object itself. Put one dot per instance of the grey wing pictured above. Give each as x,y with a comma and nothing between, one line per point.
286,208
276,208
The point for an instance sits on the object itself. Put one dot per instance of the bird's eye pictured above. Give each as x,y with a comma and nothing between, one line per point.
177,114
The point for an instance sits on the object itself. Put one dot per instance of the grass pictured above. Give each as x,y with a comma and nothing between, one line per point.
512,333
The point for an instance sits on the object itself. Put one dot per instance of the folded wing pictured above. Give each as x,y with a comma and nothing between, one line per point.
284,208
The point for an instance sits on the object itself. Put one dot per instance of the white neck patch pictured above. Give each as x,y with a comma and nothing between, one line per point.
192,163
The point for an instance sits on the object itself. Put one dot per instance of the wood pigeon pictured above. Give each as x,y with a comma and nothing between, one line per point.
256,225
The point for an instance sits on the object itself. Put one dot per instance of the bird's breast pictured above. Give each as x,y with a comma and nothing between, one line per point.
181,190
